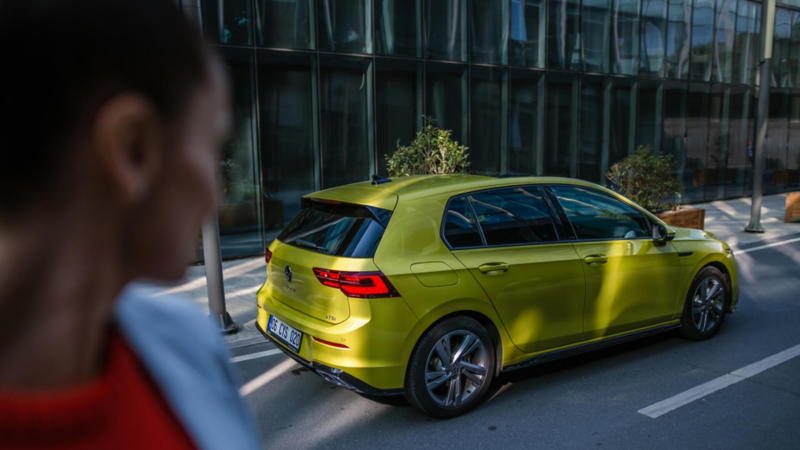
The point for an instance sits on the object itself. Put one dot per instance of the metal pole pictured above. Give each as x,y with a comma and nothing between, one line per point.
767,26
213,262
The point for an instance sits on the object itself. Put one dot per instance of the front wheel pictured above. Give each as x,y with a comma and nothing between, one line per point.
706,305
451,368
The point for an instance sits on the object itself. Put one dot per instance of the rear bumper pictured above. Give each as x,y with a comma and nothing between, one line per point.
332,375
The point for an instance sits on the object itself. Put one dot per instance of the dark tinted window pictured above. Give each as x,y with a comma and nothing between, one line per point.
514,216
595,215
337,229
460,229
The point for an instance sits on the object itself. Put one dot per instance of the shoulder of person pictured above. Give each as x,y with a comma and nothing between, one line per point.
187,358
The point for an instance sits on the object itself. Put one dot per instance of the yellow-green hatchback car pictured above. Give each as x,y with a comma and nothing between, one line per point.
431,286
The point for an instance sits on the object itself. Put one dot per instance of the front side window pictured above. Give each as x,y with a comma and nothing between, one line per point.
595,215
518,215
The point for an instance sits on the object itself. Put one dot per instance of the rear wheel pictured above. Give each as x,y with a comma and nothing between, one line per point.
451,368
706,305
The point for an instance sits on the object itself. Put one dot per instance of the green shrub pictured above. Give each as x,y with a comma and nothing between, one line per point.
431,152
646,179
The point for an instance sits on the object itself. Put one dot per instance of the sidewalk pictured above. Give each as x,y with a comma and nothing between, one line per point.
726,219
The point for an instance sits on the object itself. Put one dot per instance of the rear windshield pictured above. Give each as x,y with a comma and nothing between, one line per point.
337,229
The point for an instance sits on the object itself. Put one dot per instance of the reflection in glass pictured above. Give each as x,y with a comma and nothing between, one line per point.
776,142
719,136
446,29
526,122
723,48
344,26
528,23
488,23
595,115
287,110
562,124
398,27
238,212
673,137
697,115
745,49
623,120
488,119
794,51
398,111
679,32
285,24
653,38
793,154
649,117
625,49
563,34
345,118
597,35
780,48
446,98
702,40
227,21
740,146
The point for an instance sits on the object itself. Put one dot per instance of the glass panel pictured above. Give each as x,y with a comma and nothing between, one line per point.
526,122
514,216
595,215
776,142
623,120
651,100
488,23
240,233
528,23
344,26
488,136
562,113
595,115
345,120
745,50
697,114
673,137
653,38
702,40
398,107
793,157
740,145
794,51
563,34
780,51
719,135
446,29
726,28
227,21
285,24
287,110
460,228
625,51
398,27
596,20
446,98
679,31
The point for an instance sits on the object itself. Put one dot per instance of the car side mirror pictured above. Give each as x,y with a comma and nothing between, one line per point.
662,234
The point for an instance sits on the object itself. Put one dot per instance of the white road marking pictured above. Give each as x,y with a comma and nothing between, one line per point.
237,359
259,381
659,409
774,244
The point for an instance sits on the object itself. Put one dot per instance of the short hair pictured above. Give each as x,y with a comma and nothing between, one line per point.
63,58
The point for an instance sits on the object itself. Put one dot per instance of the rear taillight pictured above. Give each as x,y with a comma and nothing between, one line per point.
332,344
267,256
357,284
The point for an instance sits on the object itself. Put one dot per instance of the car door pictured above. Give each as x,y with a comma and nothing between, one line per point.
534,280
631,281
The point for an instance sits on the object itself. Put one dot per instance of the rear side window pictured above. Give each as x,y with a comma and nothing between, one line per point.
518,215
460,228
337,229
595,215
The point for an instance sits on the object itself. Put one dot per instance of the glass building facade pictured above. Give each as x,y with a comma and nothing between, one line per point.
324,89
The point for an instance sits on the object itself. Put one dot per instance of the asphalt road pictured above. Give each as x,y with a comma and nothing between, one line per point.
588,401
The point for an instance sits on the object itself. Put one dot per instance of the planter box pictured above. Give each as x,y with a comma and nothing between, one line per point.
792,206
685,217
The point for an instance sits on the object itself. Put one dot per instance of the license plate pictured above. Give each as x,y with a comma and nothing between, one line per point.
285,333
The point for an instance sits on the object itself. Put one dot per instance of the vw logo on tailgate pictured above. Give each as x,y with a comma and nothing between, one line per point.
288,273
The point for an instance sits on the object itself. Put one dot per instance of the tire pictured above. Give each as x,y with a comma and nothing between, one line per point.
704,314
471,377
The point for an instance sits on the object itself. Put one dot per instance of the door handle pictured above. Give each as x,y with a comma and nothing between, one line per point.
493,268
596,259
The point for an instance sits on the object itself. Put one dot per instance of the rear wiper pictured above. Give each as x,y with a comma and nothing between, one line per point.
311,245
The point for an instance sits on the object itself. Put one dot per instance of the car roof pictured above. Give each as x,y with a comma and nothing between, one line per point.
386,195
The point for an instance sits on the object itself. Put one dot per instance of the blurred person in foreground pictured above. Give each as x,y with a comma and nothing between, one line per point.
113,112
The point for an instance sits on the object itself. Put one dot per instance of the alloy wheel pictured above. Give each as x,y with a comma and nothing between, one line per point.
456,368
707,304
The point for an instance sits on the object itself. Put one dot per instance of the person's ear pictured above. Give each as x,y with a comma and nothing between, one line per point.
127,138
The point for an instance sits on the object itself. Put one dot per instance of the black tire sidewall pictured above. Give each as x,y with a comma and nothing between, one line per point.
689,329
416,389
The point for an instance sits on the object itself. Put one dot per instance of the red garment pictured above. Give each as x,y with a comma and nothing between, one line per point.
123,409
